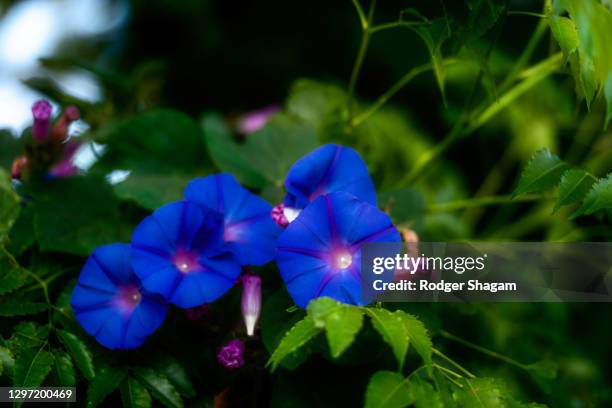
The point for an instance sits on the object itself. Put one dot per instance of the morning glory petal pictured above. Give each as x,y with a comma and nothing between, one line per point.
327,169
249,230
108,300
319,254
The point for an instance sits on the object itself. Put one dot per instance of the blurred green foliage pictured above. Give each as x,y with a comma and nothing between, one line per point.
478,119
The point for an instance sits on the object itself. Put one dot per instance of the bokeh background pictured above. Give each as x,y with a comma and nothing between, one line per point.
199,56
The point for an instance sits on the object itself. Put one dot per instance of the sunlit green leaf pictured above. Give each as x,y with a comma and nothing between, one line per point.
574,186
296,337
424,394
7,361
543,171
388,389
564,31
391,327
341,322
598,198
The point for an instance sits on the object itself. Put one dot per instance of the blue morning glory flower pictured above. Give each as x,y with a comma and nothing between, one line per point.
179,252
327,169
109,302
249,231
319,254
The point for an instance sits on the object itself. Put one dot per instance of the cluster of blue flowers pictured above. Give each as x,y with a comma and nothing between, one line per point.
191,252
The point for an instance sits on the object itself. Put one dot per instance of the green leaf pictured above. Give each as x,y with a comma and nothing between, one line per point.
387,389
162,149
564,31
164,135
134,394
12,276
107,379
405,207
574,186
599,198
391,327
545,369
32,367
434,35
296,337
419,338
29,334
315,102
266,155
76,215
424,394
276,321
341,322
19,308
79,352
176,373
154,188
228,155
9,204
541,173
481,392
593,64
160,387
64,369
7,361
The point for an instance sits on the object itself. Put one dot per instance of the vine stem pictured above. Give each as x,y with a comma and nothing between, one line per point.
453,362
530,77
366,23
483,350
481,201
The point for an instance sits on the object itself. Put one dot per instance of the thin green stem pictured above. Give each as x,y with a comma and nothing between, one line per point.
363,47
481,201
451,379
395,24
526,13
360,118
531,77
449,371
362,17
452,362
483,350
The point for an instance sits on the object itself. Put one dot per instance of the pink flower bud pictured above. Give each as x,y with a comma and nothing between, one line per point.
251,301
253,121
66,167
232,354
41,110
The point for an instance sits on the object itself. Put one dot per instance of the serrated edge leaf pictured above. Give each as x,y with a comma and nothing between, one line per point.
106,381
399,350
159,385
525,186
64,370
302,332
566,189
79,351
128,394
386,376
37,368
590,204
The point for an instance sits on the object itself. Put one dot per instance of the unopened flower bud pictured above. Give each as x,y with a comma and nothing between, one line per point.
252,121
66,167
18,166
60,129
250,304
283,216
41,111
232,354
